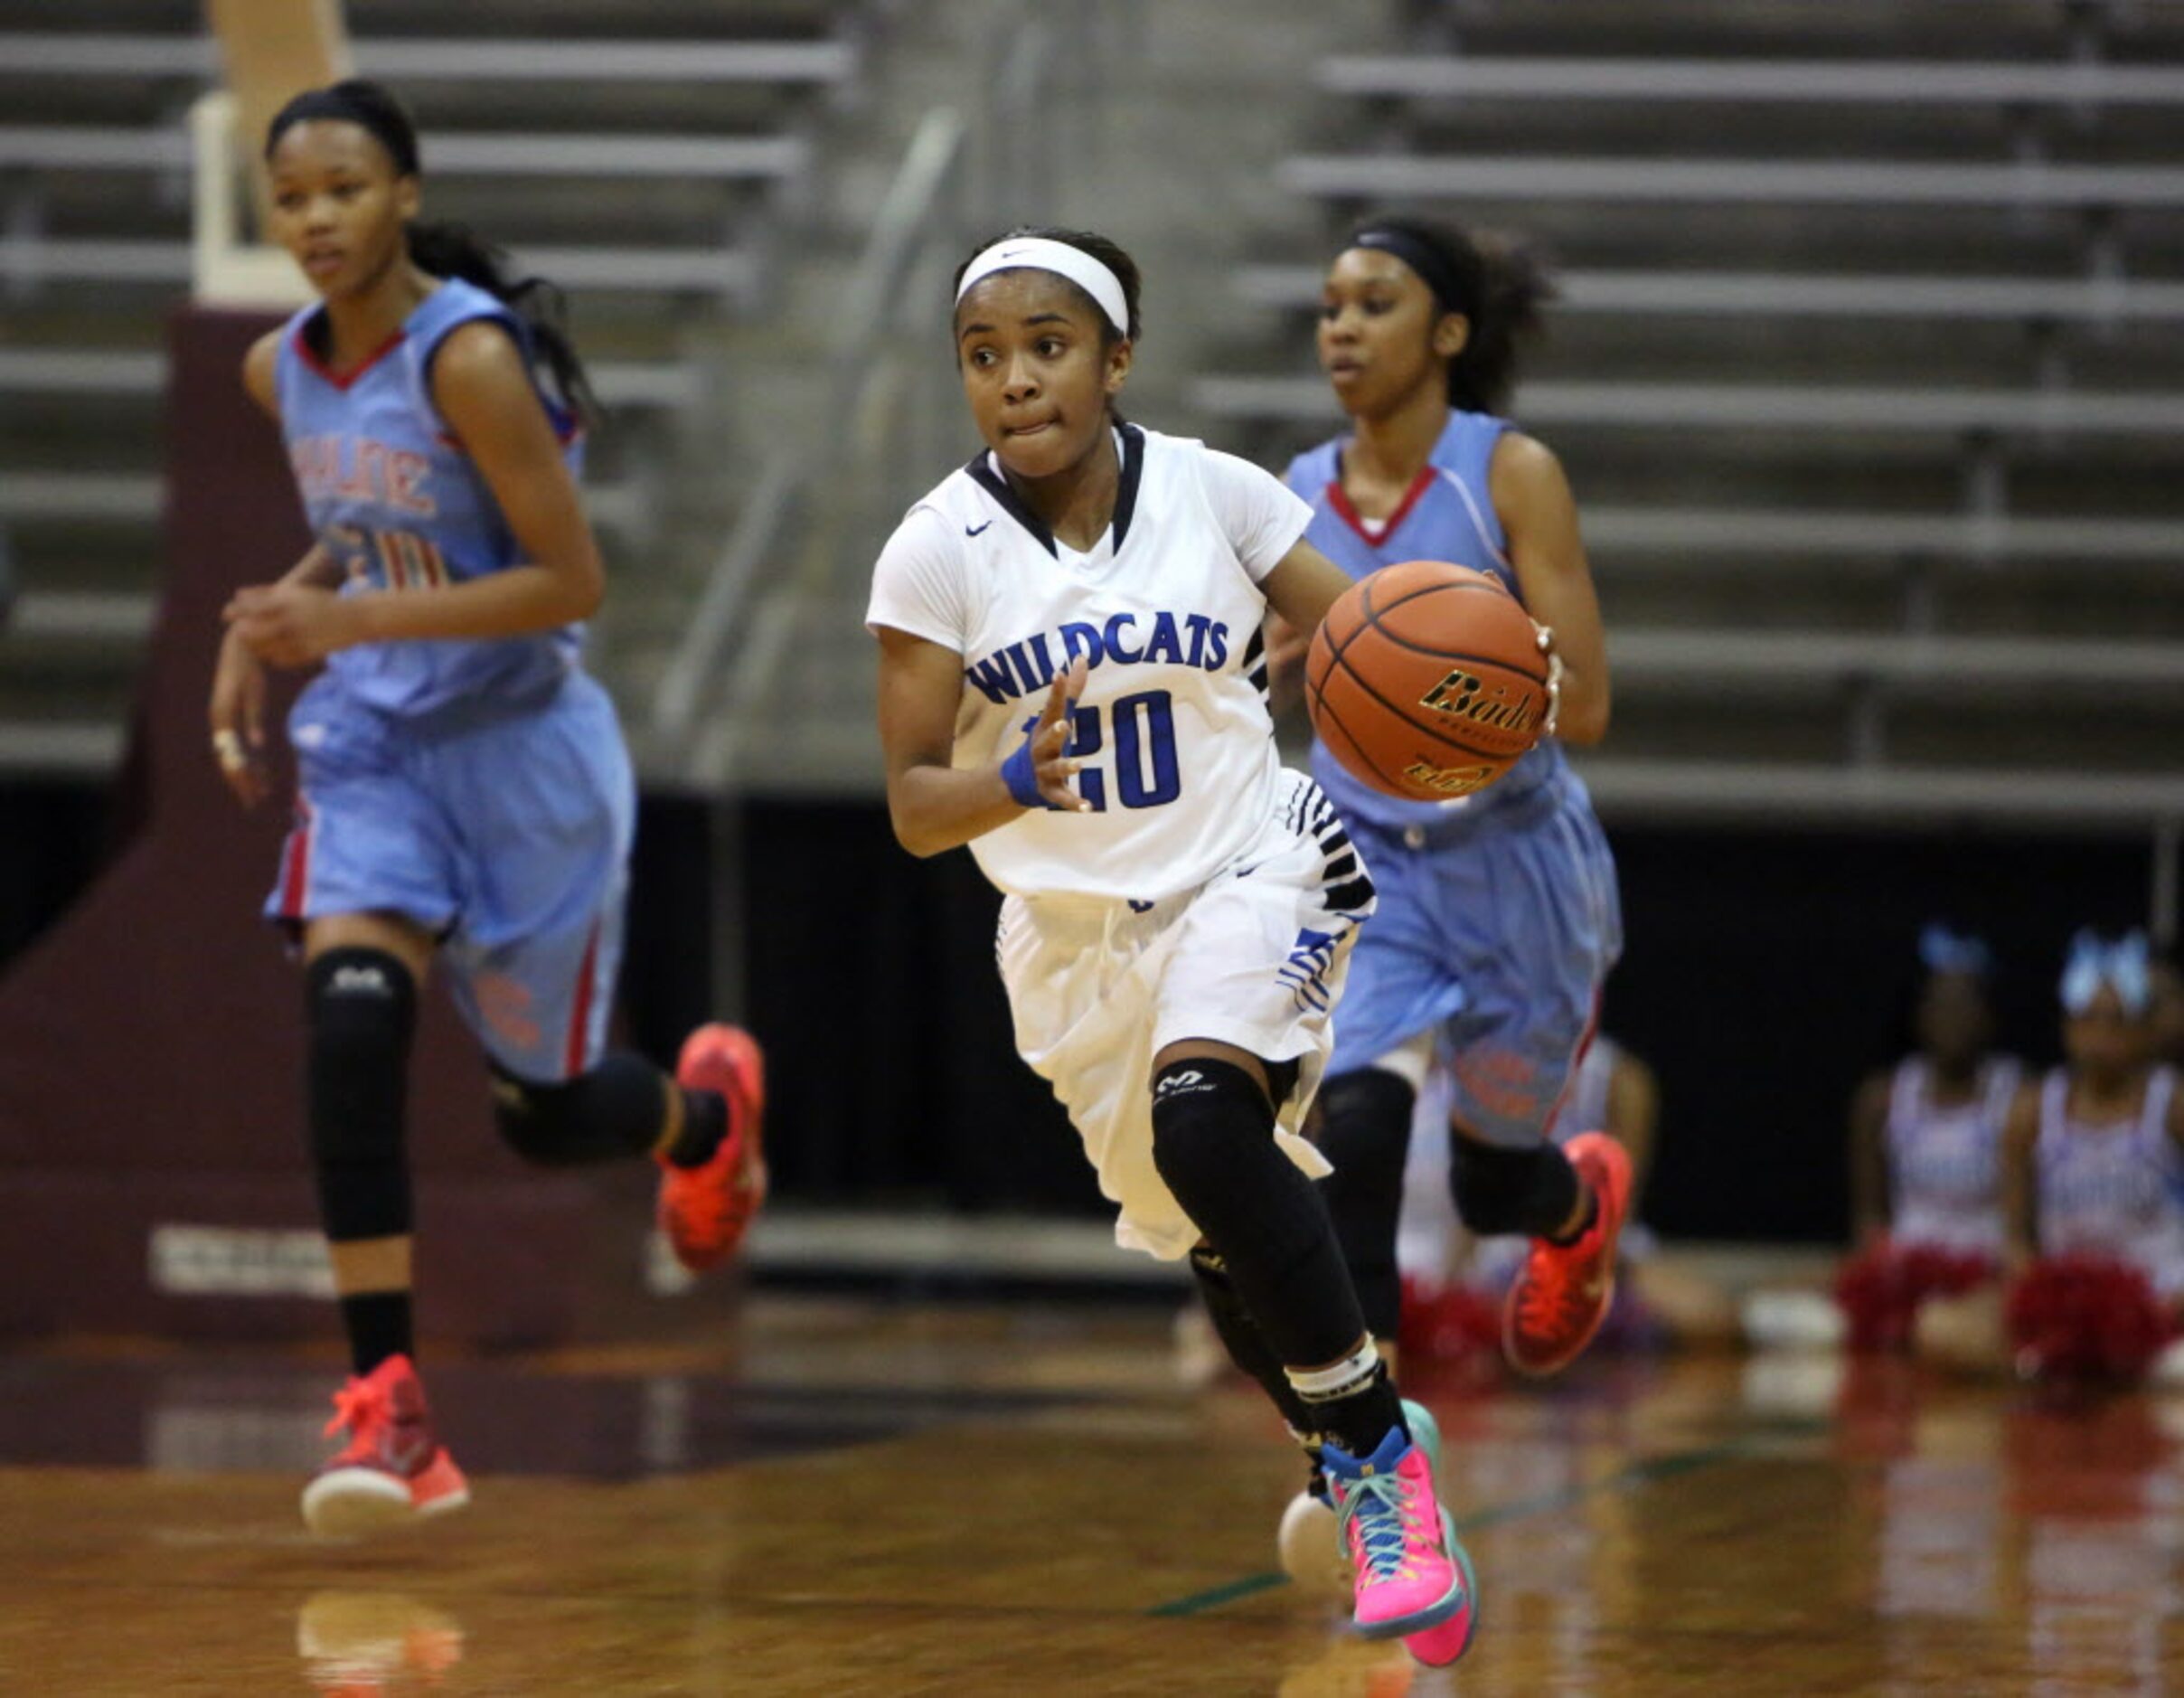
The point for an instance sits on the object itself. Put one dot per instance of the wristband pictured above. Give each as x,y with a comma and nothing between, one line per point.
1022,776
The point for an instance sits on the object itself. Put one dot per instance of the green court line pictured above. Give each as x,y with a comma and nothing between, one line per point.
1625,1480
1199,1602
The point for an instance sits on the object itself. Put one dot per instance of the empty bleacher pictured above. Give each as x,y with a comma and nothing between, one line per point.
1866,369
648,158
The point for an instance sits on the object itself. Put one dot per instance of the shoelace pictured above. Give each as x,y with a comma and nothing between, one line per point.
1380,1506
356,1406
1547,1302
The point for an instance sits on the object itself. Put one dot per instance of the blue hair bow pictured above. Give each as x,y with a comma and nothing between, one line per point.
2122,965
1942,950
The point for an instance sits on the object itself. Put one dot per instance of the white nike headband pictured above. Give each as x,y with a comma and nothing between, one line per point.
1040,254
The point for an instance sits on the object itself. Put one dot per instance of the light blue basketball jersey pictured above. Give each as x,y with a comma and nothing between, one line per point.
1448,514
1499,917
395,500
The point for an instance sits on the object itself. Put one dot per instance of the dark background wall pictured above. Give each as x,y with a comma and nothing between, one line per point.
1765,972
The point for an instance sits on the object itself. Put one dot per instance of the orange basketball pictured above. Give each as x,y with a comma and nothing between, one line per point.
1426,680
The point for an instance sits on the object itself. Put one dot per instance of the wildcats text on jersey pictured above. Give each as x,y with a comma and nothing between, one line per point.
1128,639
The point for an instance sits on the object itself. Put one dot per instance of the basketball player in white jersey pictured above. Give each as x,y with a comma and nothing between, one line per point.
1072,682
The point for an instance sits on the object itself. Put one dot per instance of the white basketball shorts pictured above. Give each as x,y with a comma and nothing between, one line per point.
1255,957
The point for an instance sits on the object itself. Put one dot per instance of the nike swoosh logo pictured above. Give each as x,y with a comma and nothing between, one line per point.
973,530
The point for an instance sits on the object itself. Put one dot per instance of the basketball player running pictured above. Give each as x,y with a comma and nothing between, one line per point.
1499,915
464,790
1612,1090
1072,682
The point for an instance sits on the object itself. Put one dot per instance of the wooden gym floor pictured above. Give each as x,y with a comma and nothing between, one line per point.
856,1496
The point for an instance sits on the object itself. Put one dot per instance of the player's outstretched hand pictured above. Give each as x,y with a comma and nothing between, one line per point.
1050,761
237,716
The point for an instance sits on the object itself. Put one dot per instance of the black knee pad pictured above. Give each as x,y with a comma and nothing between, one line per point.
360,1010
1213,1146
615,1110
1365,1131
1533,1190
1210,1121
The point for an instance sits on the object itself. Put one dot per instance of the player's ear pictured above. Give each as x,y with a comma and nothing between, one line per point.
1451,336
408,197
1120,352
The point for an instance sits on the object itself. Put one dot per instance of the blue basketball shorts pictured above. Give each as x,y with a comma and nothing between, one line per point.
503,832
1496,937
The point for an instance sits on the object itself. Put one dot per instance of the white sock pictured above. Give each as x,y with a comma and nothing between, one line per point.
1322,1385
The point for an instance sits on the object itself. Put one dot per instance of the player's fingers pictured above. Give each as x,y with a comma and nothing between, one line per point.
1074,679
1062,796
1057,700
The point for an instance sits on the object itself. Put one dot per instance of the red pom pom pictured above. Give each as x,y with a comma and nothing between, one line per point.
1448,1323
2083,1317
1880,1289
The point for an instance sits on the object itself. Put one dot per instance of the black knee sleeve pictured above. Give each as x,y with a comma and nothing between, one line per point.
1213,1146
617,1110
1241,1338
360,1009
1532,1191
1365,1131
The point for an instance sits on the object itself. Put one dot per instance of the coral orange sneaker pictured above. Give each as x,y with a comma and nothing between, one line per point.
705,1209
393,1467
1562,1294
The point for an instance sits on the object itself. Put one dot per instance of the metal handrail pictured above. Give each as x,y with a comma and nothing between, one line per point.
892,251
682,687
881,386
900,236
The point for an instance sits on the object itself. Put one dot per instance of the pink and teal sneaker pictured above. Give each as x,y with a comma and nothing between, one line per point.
1411,1574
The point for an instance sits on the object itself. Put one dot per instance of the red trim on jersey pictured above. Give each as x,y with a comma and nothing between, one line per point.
1377,536
391,560
1569,1081
343,380
295,863
579,1017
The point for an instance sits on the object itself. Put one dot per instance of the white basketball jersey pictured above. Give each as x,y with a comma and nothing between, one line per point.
1172,726
1946,1163
2112,1189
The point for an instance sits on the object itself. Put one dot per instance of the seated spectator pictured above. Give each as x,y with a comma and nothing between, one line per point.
2094,1187
1926,1152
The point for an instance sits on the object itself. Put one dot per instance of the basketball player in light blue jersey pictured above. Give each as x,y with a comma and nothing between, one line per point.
1499,917
464,791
